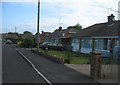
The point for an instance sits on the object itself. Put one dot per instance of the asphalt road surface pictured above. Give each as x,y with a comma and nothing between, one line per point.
17,70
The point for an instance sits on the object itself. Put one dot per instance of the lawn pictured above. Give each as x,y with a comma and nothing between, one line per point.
74,58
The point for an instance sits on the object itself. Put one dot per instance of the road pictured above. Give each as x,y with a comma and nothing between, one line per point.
17,70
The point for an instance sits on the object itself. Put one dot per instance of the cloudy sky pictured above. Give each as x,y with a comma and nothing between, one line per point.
55,13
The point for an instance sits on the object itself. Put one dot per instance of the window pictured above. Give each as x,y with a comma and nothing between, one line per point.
100,44
117,42
75,40
86,43
96,44
105,44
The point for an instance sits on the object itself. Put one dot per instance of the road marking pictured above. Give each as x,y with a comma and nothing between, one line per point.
39,73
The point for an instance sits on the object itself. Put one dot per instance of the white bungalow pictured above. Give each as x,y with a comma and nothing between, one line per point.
103,37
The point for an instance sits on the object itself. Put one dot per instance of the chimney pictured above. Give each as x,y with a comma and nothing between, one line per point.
111,18
60,28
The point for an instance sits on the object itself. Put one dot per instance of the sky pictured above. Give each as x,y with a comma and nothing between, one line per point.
54,13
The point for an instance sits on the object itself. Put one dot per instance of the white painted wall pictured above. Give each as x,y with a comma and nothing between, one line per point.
86,50
75,47
75,44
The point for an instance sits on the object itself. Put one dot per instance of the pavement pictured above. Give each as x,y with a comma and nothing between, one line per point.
110,72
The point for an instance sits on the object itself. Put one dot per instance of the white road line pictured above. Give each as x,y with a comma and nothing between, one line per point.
39,73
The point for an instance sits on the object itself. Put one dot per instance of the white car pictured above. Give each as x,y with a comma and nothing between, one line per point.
8,42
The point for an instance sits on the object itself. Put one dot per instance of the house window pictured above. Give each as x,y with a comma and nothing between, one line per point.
117,42
53,40
105,44
75,40
100,44
96,44
109,44
86,43
56,41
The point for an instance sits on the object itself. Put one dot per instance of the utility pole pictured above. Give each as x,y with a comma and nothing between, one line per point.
38,25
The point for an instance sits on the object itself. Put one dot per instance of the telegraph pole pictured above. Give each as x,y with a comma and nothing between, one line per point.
38,25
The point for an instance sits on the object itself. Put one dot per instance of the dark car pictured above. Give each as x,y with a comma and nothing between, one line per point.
44,46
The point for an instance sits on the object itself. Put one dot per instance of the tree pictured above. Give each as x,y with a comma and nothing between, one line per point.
27,32
37,33
77,26
13,33
28,43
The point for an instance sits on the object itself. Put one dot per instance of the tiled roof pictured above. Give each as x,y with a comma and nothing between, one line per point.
15,36
65,33
102,29
23,36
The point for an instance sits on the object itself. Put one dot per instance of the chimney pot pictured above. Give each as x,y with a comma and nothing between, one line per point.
60,28
111,18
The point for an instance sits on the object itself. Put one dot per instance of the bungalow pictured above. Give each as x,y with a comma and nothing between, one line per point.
24,36
101,37
42,37
61,37
11,36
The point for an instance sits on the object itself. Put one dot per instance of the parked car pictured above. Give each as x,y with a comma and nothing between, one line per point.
8,42
44,46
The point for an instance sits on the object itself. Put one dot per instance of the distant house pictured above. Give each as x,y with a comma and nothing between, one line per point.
24,36
11,36
42,37
103,37
61,37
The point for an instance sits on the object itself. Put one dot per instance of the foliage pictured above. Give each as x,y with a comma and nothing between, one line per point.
13,33
27,32
28,43
36,33
77,26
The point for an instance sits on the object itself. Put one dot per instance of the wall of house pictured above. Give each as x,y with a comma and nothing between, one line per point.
100,44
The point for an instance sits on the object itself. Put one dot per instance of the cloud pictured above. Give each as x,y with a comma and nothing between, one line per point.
85,12
70,12
29,26
48,24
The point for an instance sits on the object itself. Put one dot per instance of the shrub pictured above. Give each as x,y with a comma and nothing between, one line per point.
28,43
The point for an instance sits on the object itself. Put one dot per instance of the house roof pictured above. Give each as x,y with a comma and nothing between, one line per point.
101,29
23,36
65,33
15,36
